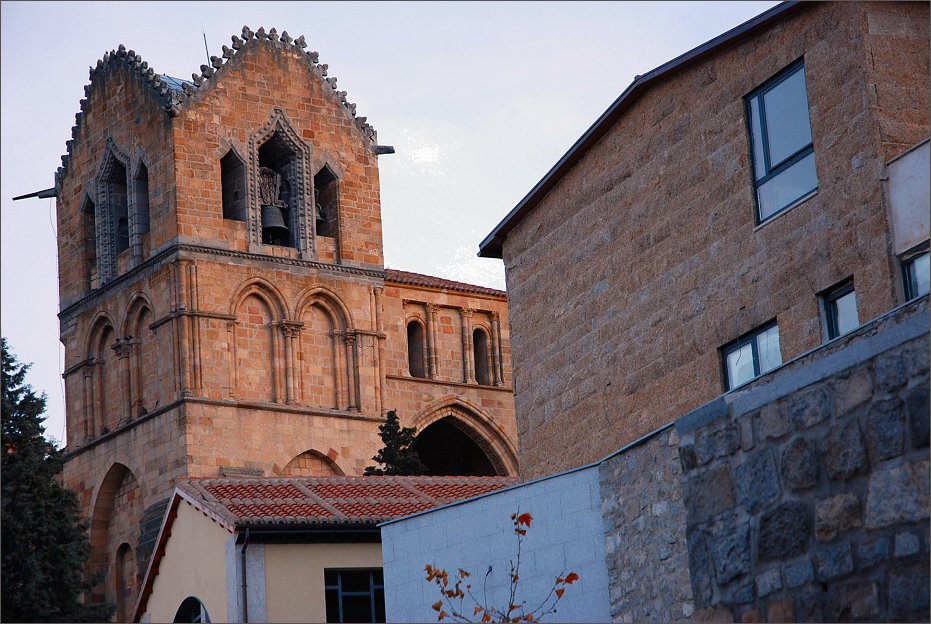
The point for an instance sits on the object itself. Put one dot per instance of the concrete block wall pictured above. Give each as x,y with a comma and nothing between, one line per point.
807,493
566,535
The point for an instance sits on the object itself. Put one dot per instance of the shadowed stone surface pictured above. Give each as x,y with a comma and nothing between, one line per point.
844,452
833,561
836,514
800,464
809,408
756,481
729,543
886,429
784,532
898,494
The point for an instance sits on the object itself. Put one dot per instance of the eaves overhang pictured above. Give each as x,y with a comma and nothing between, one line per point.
492,246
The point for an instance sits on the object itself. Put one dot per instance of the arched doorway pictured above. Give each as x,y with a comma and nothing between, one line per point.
447,449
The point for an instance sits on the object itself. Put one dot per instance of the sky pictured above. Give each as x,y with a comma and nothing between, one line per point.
479,99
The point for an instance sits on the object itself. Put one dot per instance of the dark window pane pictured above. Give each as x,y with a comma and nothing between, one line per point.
787,126
787,187
379,605
356,581
330,578
357,608
332,605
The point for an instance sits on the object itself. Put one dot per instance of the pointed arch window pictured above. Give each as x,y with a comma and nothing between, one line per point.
278,173
118,204
141,197
89,242
233,185
326,202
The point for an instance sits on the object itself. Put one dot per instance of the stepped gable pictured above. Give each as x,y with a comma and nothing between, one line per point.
327,501
172,93
418,279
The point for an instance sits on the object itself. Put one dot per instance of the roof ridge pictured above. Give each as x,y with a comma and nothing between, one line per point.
399,276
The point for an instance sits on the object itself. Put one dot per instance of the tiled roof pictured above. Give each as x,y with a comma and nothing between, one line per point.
326,501
417,279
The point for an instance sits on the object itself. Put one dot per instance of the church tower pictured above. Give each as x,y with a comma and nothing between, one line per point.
225,309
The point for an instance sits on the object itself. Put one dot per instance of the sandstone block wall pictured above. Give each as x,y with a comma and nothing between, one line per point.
807,496
646,258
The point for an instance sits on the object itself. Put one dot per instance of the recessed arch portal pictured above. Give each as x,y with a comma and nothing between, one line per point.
454,438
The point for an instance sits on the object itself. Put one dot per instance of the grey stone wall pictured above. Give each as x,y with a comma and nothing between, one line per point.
807,494
645,543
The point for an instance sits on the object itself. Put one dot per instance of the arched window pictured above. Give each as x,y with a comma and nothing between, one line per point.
192,610
117,201
279,169
141,197
480,353
89,241
415,349
446,449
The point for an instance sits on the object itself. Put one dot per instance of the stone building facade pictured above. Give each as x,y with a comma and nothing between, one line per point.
225,309
649,250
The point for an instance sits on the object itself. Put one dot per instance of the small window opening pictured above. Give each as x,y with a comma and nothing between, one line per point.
916,272
119,209
192,610
277,169
141,189
354,595
840,310
751,355
326,202
415,349
233,185
480,351
89,244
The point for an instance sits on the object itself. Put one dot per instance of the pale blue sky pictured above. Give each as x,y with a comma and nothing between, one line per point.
479,99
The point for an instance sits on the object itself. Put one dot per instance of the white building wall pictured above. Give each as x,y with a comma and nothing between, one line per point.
567,534
909,193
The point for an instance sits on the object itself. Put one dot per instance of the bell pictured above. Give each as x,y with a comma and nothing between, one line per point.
273,225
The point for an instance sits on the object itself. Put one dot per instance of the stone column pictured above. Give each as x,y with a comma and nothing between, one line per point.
291,332
90,407
432,310
468,365
496,367
122,348
231,353
352,366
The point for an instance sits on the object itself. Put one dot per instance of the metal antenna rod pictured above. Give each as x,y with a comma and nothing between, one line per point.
206,49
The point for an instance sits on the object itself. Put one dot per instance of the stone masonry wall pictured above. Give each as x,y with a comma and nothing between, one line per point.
807,493
644,522
646,258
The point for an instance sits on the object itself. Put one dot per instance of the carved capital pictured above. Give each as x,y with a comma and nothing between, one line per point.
291,329
466,312
122,347
349,338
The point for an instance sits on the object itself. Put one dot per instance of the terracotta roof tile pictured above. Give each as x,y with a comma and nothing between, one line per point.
322,501
417,279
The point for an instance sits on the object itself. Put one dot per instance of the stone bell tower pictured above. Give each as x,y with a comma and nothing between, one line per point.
225,308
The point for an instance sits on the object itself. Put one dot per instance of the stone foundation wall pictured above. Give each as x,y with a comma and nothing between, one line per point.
807,494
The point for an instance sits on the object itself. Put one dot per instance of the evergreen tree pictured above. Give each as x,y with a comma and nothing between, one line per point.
398,455
44,543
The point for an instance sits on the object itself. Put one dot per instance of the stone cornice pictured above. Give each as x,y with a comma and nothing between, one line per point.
181,248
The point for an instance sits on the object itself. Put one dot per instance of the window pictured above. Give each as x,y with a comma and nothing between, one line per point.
141,190
480,351
840,310
192,610
233,186
915,271
415,349
781,147
752,355
326,202
354,595
119,207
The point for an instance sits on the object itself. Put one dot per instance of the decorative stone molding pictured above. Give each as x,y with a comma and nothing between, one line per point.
172,94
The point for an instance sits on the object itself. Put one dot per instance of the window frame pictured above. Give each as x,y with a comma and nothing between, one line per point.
771,171
751,339
373,586
423,346
907,261
829,300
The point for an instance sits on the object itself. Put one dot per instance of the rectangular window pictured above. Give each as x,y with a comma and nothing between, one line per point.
781,146
750,356
354,595
915,271
840,310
